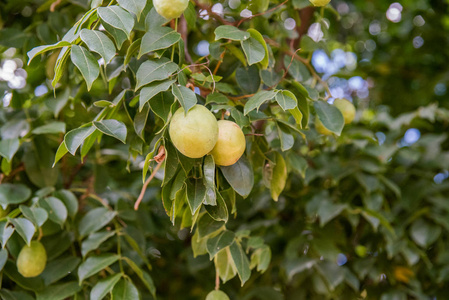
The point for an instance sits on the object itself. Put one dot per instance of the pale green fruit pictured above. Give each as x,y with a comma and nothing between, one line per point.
346,108
230,145
217,295
194,134
319,2
32,260
170,9
321,128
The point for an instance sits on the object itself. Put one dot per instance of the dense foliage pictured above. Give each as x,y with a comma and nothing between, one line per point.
89,170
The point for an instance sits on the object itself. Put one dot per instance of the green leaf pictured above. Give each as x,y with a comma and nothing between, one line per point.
258,99
119,37
154,20
36,215
125,290
144,277
95,220
140,121
8,148
24,228
240,176
262,258
74,138
37,160
330,116
86,63
151,71
286,99
298,116
98,42
70,201
94,241
112,128
5,233
62,150
42,49
241,261
59,292
131,51
394,295
57,212
239,118
31,284
230,33
258,36
196,193
208,226
254,51
117,17
219,242
248,79
95,264
217,295
209,180
59,268
286,138
134,6
104,286
185,96
279,177
148,92
218,212
3,258
328,210
424,233
216,97
157,39
13,194
50,128
225,265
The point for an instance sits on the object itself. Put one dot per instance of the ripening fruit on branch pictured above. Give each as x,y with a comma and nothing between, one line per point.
319,2
32,260
194,134
230,145
347,109
320,128
170,9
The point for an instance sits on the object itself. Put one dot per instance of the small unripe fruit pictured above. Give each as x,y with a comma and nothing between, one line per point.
346,108
217,295
194,134
231,144
32,260
320,128
170,9
319,2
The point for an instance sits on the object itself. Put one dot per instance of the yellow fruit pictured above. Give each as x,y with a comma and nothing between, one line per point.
194,134
403,274
32,260
319,2
320,127
230,145
170,9
347,109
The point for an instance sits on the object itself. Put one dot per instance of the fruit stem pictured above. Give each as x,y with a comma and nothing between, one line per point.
174,45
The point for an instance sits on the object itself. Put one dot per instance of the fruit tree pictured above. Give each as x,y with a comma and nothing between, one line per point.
233,149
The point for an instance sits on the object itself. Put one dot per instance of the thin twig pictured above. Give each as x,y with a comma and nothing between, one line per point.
217,280
144,188
260,14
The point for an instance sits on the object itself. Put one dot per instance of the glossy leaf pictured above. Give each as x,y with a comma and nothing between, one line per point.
113,128
151,71
104,286
157,39
98,42
230,33
95,220
240,176
95,264
241,262
86,63
13,193
117,17
219,242
257,100
330,116
8,148
185,96
24,228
